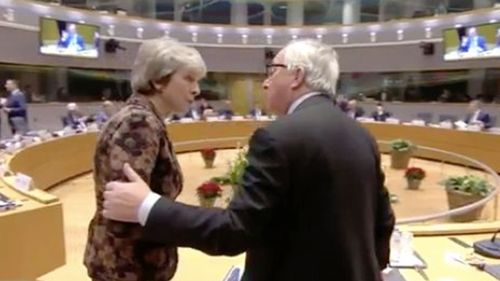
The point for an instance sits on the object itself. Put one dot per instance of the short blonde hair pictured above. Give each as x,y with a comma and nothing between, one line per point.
319,62
160,57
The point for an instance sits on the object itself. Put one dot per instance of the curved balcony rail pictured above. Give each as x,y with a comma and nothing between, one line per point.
265,12
130,28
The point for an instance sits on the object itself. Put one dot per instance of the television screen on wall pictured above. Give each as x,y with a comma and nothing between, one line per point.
472,42
65,38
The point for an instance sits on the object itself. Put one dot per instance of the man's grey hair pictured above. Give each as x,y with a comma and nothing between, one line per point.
319,62
160,57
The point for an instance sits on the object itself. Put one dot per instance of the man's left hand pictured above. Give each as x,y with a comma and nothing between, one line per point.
122,200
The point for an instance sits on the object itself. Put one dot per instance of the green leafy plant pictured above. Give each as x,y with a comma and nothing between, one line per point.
235,171
237,168
467,184
402,145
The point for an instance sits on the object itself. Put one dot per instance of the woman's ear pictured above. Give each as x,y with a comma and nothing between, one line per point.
155,85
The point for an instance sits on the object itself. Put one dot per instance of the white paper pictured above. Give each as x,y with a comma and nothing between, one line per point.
23,182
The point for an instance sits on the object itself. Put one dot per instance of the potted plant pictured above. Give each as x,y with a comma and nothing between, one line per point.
465,190
414,176
208,155
235,172
401,151
207,193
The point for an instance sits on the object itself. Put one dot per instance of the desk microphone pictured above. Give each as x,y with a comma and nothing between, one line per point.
489,248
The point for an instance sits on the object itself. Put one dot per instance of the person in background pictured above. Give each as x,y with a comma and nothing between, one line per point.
16,108
204,105
105,114
74,118
476,116
164,81
312,203
353,110
256,112
193,112
226,112
70,39
472,43
380,114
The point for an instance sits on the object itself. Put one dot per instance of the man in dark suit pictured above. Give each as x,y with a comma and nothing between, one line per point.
353,110
476,116
472,43
312,203
226,112
70,39
380,114
256,112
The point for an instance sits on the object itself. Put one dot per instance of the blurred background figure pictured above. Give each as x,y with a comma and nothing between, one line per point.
353,110
73,119
194,112
16,108
226,112
256,112
105,114
472,43
475,115
70,39
380,114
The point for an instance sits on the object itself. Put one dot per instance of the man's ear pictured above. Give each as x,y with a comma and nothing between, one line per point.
299,78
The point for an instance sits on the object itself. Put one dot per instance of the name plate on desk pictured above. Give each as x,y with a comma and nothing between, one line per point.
23,182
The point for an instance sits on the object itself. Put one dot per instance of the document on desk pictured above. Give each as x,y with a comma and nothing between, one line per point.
411,260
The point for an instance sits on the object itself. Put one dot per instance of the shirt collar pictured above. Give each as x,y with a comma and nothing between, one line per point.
300,100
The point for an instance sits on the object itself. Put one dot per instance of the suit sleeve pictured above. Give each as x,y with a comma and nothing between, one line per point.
242,225
385,219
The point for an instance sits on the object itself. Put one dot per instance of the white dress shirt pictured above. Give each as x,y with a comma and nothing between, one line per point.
148,203
474,117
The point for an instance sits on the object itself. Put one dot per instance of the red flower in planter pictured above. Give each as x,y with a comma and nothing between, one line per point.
208,153
209,189
414,173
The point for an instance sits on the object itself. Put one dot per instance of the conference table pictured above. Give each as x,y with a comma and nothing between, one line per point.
32,236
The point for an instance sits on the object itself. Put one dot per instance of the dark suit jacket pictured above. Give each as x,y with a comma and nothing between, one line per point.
312,205
381,117
483,117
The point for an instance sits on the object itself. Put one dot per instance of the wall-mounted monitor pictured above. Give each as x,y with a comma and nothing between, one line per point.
472,42
65,38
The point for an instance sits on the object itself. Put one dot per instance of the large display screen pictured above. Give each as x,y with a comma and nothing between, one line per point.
472,42
64,38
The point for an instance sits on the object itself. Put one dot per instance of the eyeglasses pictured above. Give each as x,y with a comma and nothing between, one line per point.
271,68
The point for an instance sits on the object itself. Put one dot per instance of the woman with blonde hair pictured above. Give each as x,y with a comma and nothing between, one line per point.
164,79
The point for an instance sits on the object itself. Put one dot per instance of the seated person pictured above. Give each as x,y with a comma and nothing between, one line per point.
73,119
475,116
104,115
472,43
256,112
353,110
193,113
204,105
70,39
380,114
226,112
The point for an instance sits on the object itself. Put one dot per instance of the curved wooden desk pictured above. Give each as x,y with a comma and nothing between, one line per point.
57,160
